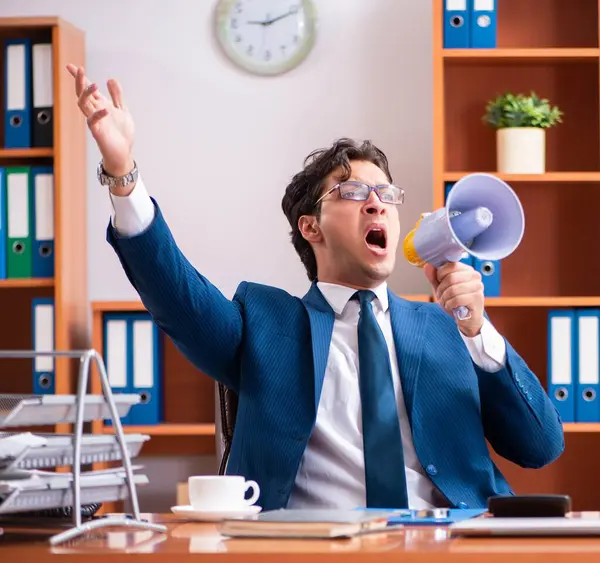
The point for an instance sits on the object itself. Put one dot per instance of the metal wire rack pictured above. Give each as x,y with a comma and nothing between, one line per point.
19,410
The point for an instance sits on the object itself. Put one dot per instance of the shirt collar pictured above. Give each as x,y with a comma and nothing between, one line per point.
338,295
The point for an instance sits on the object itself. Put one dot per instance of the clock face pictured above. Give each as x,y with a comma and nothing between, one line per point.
266,36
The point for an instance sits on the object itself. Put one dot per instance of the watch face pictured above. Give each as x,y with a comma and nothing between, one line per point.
266,36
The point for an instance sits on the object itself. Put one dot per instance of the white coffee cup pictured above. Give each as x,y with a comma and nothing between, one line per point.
218,492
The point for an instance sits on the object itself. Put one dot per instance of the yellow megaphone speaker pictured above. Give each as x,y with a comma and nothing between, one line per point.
483,217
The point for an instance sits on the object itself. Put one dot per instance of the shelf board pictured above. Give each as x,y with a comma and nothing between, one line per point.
167,429
117,306
26,153
27,282
525,55
581,427
27,22
572,177
543,301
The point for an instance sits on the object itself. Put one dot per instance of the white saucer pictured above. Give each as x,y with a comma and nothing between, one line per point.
214,515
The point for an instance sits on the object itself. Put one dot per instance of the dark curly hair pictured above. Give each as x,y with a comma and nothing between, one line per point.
306,186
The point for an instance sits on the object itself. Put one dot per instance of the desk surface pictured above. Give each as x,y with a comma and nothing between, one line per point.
187,540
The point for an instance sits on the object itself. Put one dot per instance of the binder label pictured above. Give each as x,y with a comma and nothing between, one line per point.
16,71
561,351
483,6
18,206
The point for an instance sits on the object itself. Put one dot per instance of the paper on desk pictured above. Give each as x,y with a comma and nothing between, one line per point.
13,445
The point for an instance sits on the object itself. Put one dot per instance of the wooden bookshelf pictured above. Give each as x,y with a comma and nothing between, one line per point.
168,430
525,55
552,49
547,178
26,153
188,395
68,157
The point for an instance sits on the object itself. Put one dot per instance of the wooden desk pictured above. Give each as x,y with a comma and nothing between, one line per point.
192,541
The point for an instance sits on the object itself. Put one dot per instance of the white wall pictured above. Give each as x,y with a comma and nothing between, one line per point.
217,146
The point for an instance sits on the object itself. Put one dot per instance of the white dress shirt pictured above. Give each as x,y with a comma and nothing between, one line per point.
331,472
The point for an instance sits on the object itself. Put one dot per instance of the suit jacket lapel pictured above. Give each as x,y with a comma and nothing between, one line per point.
409,325
321,317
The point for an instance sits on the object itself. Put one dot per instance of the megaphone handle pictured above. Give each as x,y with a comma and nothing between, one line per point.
461,313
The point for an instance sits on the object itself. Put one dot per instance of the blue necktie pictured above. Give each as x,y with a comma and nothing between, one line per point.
384,459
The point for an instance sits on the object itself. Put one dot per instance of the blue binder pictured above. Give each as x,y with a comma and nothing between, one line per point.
17,93
42,179
483,23
146,369
42,330
490,275
117,356
467,259
587,386
562,344
456,24
3,227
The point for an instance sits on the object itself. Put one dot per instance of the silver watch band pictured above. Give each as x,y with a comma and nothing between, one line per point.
106,179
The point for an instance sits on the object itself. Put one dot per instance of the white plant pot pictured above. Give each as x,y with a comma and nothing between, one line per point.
521,150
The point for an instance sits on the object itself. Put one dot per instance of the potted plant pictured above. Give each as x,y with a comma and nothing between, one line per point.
521,122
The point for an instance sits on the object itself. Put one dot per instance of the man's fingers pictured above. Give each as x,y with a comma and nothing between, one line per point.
469,289
80,81
450,267
116,93
96,117
72,69
455,278
85,101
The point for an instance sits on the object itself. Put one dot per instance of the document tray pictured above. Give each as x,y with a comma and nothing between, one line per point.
37,451
23,495
40,410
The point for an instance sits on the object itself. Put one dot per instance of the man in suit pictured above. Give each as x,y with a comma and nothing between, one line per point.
350,396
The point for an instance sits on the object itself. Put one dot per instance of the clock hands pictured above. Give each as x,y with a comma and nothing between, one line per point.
271,21
290,13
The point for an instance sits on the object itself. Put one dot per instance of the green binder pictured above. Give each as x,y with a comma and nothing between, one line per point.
19,222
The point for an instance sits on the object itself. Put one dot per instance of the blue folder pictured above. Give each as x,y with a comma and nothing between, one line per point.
410,517
17,93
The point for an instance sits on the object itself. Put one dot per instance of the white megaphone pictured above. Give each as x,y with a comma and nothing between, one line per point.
483,217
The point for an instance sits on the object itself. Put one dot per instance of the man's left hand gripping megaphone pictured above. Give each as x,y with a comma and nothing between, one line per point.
482,217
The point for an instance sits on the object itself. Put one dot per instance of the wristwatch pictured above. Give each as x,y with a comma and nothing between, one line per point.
106,179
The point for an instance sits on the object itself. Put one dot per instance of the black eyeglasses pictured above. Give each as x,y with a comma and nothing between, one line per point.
357,191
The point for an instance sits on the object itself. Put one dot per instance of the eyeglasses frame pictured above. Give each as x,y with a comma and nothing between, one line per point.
371,189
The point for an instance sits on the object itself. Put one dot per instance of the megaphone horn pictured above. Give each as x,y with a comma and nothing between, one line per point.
483,217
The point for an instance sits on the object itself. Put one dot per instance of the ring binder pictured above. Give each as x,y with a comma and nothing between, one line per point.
19,410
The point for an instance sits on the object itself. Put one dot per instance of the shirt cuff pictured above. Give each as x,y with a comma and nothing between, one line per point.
132,214
487,349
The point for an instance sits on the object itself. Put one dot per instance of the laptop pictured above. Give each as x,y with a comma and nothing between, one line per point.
574,524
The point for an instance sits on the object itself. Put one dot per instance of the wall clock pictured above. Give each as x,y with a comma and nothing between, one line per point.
266,37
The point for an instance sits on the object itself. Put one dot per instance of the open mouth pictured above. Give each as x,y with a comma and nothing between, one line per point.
376,238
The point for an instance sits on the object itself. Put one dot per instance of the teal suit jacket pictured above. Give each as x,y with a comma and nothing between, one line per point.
271,348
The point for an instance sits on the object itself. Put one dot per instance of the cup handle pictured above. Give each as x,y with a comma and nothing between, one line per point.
255,494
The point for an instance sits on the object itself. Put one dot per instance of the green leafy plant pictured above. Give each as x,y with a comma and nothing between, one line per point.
519,110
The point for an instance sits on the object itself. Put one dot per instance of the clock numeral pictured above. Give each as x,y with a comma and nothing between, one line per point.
239,8
238,38
267,55
283,48
250,50
296,38
234,23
